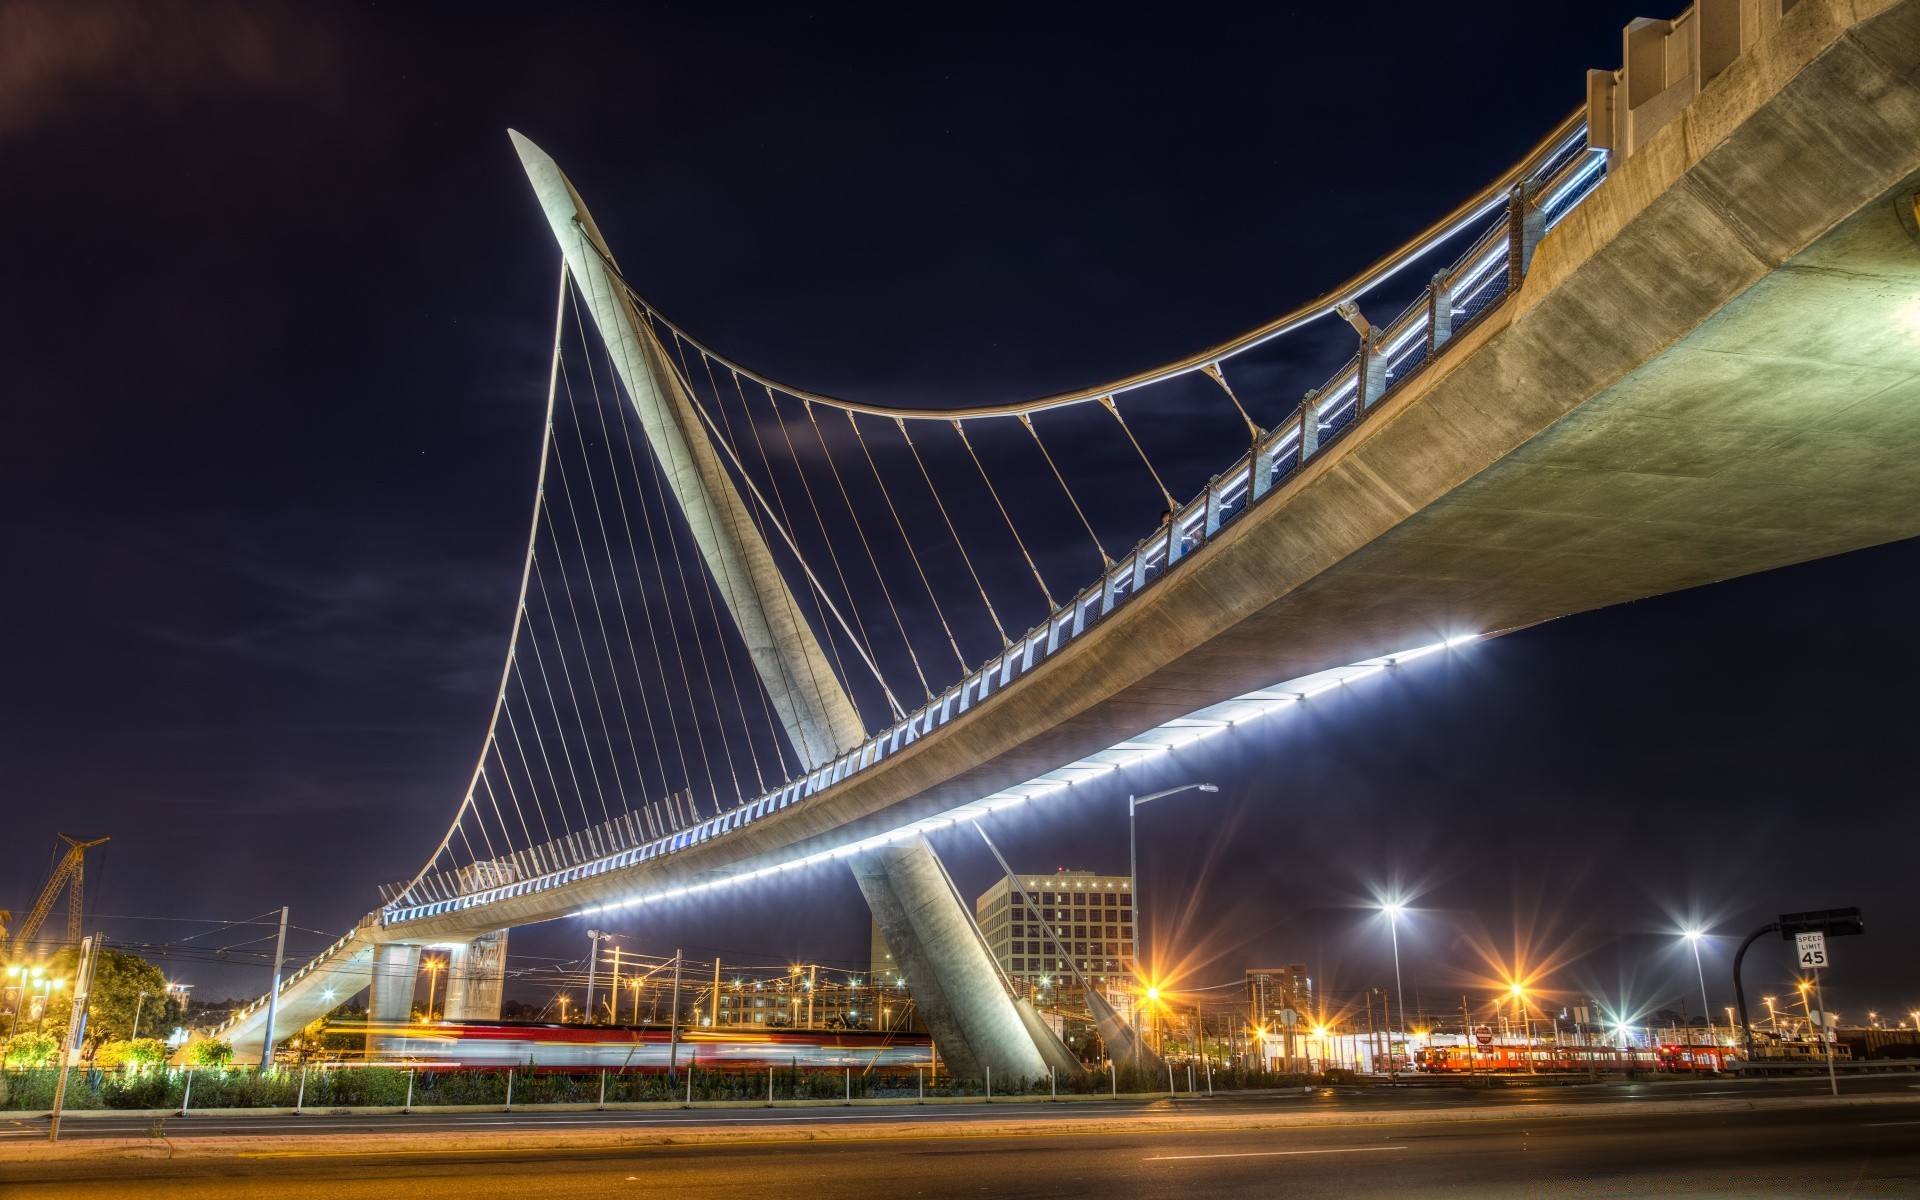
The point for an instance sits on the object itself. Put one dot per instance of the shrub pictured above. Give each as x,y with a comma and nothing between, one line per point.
210,1052
29,1050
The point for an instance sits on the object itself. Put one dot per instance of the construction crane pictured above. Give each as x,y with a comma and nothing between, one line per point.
70,873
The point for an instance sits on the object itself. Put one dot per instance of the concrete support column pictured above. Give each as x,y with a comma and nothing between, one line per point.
476,976
956,985
396,972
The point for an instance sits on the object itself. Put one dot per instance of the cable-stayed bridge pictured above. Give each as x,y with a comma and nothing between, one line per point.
760,627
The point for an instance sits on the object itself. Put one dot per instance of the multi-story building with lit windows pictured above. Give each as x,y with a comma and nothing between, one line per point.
1273,990
1091,915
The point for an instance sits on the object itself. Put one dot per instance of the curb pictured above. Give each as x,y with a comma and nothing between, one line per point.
390,1110
333,1145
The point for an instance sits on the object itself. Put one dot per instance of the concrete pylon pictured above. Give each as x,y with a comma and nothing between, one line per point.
819,717
396,971
476,977
956,984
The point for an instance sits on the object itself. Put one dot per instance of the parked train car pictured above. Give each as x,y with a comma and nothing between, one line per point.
1549,1058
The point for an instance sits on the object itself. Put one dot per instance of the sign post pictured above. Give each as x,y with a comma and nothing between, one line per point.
1796,928
1811,948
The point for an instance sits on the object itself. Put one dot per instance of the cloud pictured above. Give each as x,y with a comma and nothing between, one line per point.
55,54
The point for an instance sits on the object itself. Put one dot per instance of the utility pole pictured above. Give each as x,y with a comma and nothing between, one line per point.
613,991
813,976
76,1029
673,1030
713,1020
273,996
593,960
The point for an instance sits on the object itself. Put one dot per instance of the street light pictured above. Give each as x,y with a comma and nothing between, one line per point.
433,966
1393,909
1133,863
1706,1006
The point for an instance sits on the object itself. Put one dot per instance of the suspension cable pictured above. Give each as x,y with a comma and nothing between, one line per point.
640,582
1104,556
1107,403
580,634
864,641
713,610
912,554
786,519
1011,528
526,568
1214,373
868,546
566,669
1493,196
619,597
954,533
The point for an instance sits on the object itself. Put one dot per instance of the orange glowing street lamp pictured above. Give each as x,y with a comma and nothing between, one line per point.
433,966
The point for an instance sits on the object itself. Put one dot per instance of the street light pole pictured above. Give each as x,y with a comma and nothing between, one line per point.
1393,908
1706,1006
593,963
434,967
1133,870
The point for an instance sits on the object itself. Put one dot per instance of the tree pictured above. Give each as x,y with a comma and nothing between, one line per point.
209,1052
119,981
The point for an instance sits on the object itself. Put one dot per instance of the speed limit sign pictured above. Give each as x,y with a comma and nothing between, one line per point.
1812,949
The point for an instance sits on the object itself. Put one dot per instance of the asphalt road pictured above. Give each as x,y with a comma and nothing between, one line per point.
1863,1151
1356,1099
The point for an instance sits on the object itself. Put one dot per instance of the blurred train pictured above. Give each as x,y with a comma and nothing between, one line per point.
1548,1058
647,1048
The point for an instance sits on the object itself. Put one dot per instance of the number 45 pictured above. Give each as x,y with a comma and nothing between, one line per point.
1814,958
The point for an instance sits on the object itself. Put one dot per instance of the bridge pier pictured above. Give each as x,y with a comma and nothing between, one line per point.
476,976
956,985
396,970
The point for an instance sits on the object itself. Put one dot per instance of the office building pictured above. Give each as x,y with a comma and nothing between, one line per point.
1091,916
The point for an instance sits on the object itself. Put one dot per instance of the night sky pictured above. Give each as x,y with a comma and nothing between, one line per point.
274,344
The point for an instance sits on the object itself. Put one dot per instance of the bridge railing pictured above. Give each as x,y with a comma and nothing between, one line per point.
1563,174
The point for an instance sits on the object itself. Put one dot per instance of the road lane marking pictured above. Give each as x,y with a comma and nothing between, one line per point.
1271,1153
1888,1124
